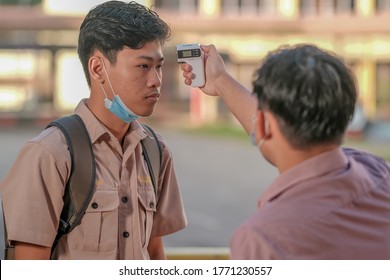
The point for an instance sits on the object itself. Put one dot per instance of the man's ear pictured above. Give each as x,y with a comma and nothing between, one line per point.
272,124
263,124
267,130
95,66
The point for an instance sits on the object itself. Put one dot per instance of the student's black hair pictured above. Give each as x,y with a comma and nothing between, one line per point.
113,25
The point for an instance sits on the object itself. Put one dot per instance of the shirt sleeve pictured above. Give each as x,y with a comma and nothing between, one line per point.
170,216
32,194
248,243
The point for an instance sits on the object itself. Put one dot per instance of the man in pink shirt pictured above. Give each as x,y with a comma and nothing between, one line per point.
328,202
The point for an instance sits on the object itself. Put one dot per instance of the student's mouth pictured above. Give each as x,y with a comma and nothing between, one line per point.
153,97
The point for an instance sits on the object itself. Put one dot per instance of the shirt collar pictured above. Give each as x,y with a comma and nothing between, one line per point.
96,129
314,167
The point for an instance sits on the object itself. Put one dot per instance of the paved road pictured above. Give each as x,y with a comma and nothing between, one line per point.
221,180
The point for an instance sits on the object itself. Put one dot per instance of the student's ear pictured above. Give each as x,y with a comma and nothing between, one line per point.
95,66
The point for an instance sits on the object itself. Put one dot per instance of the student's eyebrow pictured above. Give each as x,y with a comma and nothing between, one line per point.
151,58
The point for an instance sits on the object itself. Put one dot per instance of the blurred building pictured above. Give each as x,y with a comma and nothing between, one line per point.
40,73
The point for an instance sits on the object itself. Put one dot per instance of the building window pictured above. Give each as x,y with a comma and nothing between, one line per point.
344,7
230,7
382,6
189,6
20,2
308,8
267,7
383,91
167,4
249,7
317,7
327,7
25,76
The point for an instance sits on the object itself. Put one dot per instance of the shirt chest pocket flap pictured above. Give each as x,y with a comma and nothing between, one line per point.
99,227
147,201
103,201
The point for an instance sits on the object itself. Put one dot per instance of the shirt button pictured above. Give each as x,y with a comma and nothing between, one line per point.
151,204
124,199
125,234
94,205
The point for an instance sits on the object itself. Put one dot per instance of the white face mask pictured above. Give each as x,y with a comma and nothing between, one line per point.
116,105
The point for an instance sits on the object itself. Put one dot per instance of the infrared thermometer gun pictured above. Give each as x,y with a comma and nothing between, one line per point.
193,55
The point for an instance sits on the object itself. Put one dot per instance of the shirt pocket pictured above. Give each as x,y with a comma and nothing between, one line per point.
98,230
147,208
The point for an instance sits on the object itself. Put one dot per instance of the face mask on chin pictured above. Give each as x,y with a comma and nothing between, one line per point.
119,109
116,105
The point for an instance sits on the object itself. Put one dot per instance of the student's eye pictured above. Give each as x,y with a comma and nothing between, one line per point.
144,66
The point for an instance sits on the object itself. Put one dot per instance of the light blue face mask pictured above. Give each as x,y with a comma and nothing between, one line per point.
116,105
252,137
252,134
119,109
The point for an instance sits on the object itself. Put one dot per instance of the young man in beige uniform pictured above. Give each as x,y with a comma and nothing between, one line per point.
120,48
328,202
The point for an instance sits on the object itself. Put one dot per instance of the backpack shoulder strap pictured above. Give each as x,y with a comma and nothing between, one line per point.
151,149
3,232
81,184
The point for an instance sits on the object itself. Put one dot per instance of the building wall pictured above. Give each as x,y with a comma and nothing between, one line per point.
358,30
42,45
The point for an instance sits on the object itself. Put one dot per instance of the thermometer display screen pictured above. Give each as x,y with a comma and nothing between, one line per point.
189,53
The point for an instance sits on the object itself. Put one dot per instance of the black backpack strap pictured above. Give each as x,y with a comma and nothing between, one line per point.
81,184
3,233
151,149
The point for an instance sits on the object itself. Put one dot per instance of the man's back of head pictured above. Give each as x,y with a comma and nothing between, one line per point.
311,93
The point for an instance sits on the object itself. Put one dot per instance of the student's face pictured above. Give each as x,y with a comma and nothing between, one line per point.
136,77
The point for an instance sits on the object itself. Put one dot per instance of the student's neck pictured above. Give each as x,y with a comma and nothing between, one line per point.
117,127
118,131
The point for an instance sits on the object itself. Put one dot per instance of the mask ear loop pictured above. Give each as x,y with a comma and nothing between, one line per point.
266,129
108,79
105,94
252,133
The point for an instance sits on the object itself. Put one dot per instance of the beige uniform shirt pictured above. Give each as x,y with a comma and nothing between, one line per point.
125,212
